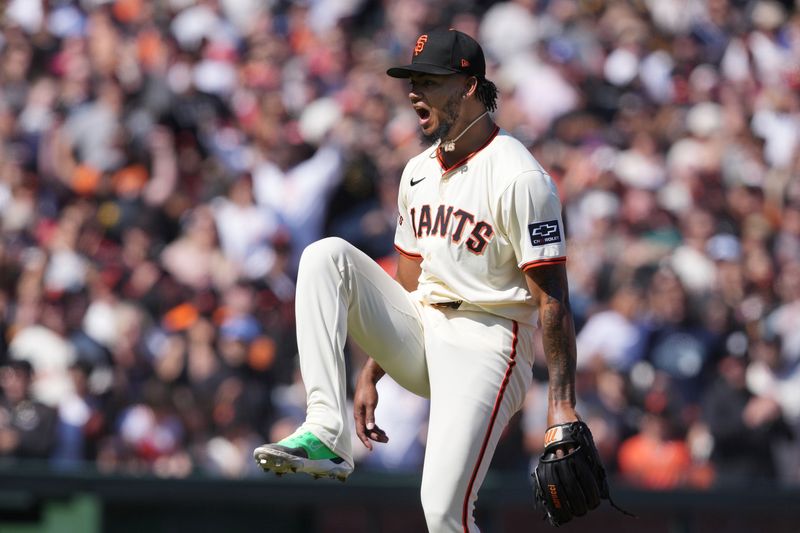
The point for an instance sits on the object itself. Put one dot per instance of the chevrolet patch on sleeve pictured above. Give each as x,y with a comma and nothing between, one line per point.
544,233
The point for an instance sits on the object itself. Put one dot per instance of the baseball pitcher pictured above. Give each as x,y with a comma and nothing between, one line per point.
481,264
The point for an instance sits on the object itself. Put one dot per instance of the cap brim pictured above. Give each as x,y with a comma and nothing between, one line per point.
420,68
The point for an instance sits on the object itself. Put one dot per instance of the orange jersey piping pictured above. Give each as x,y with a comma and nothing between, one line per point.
542,262
469,156
410,255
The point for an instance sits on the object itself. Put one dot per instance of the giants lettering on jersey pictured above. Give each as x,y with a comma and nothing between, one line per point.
453,222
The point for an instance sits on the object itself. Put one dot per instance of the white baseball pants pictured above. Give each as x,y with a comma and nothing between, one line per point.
474,366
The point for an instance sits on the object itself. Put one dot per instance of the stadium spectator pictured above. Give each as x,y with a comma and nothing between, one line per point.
81,421
27,426
744,426
775,381
659,455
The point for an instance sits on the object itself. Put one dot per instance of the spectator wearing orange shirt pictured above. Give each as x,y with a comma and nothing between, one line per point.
657,457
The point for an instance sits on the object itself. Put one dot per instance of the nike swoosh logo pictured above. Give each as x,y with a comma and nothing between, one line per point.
415,182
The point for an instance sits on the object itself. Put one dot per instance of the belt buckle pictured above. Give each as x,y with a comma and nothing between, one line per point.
450,305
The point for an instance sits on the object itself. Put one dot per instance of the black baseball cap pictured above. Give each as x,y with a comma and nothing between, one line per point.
444,52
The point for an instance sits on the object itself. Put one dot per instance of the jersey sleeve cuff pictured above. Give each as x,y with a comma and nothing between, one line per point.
410,255
542,262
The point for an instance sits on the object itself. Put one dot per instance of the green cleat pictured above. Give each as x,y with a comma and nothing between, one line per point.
302,452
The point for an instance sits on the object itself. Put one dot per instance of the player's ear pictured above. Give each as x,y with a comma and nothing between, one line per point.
470,86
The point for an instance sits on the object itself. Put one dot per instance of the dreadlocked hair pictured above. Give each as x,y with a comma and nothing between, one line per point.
487,93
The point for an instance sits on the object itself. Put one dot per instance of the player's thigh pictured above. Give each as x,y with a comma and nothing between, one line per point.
479,368
385,322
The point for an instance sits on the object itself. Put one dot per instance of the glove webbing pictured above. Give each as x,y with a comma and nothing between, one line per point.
578,435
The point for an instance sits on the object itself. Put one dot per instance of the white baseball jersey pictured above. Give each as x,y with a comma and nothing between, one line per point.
478,225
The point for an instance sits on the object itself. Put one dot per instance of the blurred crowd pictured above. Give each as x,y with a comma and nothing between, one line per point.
163,164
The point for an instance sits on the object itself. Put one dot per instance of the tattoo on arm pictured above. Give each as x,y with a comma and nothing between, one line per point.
558,333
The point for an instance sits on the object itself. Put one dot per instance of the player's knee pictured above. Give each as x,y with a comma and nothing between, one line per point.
318,252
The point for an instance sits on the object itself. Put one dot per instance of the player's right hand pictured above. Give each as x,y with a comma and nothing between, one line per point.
365,400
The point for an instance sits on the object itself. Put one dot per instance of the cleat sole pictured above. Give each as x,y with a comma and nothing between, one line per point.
279,462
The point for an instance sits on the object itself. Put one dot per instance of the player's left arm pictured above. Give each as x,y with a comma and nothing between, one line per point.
569,478
550,290
530,217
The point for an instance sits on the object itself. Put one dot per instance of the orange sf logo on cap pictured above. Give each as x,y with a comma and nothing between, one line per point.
420,44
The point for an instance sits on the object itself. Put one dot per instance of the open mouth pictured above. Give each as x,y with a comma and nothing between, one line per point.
423,114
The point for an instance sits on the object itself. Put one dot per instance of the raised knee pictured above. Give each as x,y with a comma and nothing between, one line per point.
324,249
